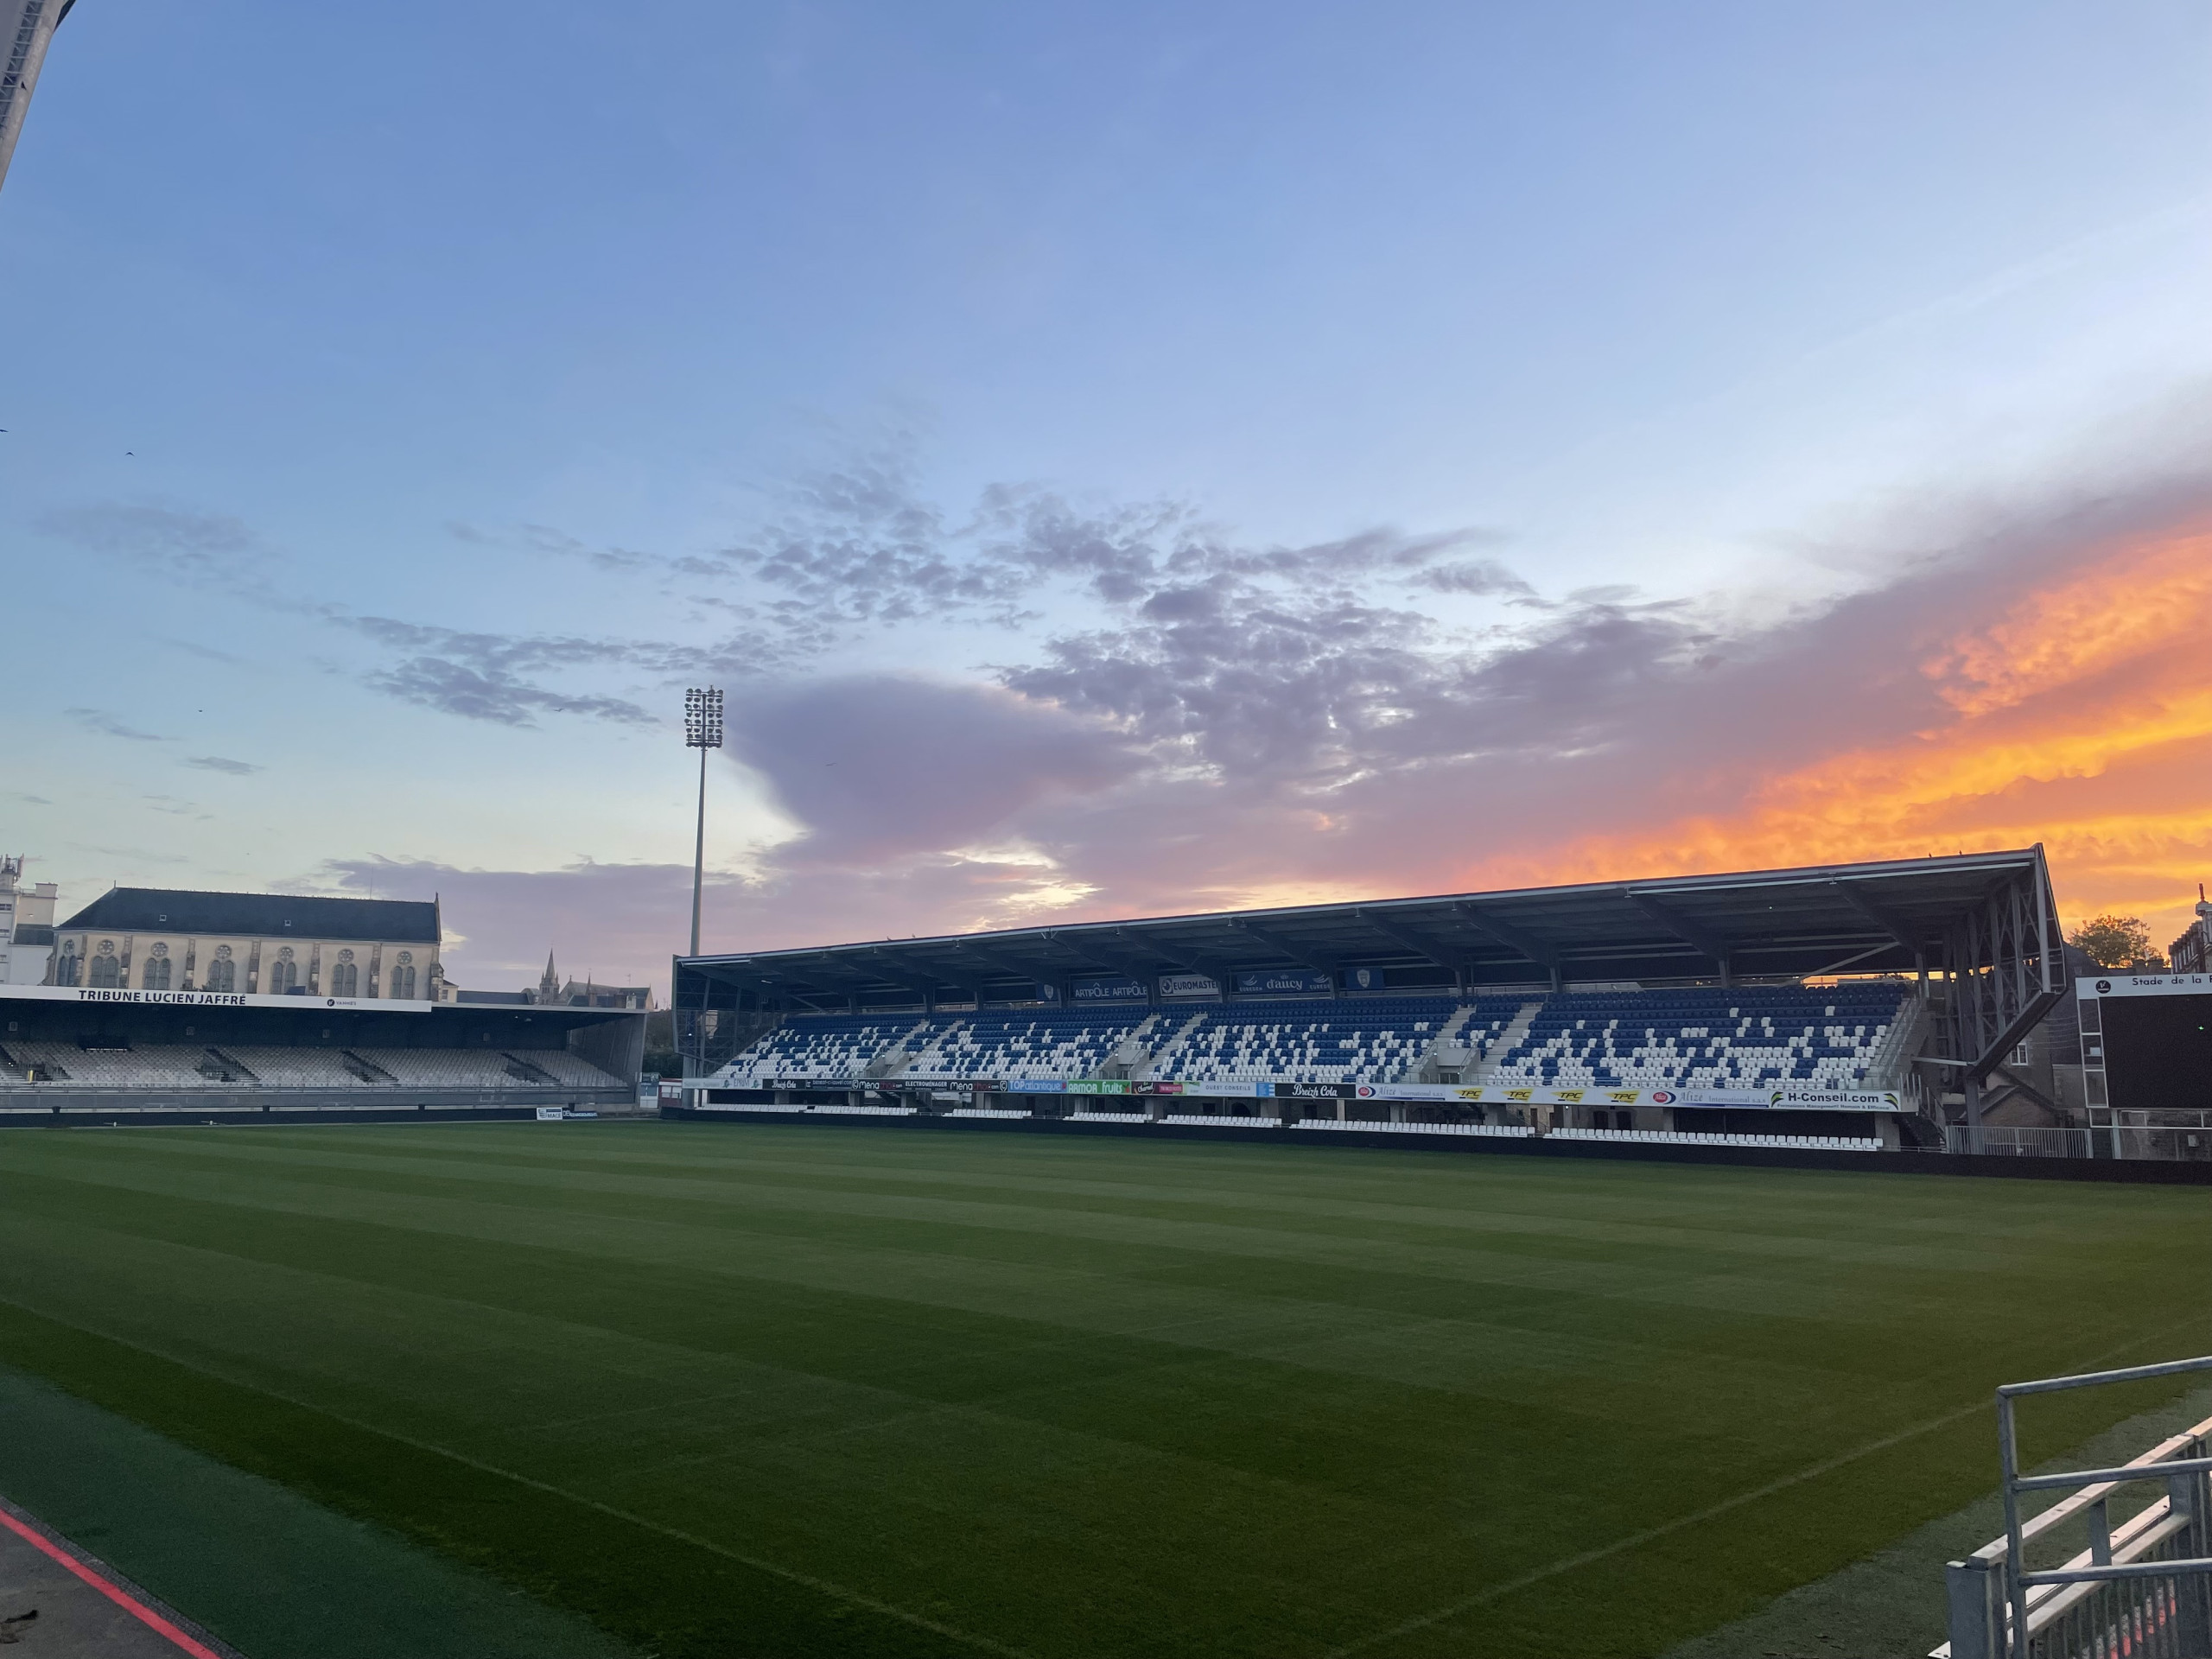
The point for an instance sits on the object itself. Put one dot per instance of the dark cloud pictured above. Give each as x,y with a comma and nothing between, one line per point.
211,551
222,763
1478,578
557,543
480,675
107,725
493,694
880,764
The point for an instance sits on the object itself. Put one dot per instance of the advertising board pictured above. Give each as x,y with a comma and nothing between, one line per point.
1285,981
210,1000
1189,985
2089,989
1109,990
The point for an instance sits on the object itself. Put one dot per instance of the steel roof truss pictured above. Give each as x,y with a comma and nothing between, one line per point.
1316,961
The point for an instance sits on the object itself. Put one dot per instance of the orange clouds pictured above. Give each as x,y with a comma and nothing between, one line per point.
2081,718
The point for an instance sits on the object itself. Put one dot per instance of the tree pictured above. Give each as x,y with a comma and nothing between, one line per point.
2115,943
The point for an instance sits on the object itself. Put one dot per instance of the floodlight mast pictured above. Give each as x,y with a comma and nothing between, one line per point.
26,25
703,730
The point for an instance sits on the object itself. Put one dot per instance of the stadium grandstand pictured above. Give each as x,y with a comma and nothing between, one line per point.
1848,1007
160,1003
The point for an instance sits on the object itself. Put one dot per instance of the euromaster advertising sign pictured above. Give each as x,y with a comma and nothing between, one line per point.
1189,985
1110,990
1287,982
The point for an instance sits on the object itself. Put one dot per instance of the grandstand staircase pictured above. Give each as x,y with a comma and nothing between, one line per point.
517,1068
1432,1065
218,1067
370,1071
1889,1066
1132,1053
1485,1066
896,1057
1143,1067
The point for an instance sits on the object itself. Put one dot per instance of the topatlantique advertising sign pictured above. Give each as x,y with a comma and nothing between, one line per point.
208,1000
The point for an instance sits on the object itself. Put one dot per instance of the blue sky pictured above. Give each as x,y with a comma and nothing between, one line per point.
1121,436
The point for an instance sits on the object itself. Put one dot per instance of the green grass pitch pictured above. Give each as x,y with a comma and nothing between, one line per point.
810,1389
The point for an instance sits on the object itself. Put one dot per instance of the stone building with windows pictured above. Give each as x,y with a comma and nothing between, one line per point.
26,925
251,943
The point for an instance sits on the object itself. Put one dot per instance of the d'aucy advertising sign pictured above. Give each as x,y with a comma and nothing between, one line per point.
1287,981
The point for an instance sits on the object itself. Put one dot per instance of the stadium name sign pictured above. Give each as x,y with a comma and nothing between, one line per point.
2090,990
208,999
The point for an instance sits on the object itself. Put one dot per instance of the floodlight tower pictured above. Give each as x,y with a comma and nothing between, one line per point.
25,27
703,730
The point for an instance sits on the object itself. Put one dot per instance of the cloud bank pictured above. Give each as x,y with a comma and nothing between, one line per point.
1181,720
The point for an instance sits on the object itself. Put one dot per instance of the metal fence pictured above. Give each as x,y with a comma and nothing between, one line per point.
2133,1137
2025,1143
2136,1588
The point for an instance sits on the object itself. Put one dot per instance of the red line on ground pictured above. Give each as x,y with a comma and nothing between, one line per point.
129,1603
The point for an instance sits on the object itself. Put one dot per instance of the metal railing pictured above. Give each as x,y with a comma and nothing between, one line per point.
2138,1590
2003,1142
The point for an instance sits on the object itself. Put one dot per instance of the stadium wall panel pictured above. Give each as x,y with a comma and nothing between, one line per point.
2124,1172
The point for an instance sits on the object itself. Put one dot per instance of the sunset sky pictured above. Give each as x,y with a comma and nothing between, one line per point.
1118,459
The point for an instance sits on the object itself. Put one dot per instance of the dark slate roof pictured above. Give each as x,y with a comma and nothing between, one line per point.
268,915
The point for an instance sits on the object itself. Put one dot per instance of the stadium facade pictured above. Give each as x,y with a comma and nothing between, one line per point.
1856,1004
162,1003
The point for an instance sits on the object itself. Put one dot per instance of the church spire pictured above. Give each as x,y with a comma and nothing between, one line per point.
548,983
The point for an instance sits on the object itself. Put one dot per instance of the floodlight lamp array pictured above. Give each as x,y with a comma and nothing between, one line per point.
702,717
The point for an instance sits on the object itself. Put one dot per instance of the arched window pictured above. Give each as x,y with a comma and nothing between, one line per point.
222,973
283,974
70,969
402,980
107,967
154,976
346,979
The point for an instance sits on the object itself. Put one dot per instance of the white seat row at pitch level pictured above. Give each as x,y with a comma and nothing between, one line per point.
258,1065
1227,1121
1739,1038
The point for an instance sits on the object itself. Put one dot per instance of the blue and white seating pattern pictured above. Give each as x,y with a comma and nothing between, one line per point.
1377,1041
835,1046
1741,1037
1024,1044
1745,1038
